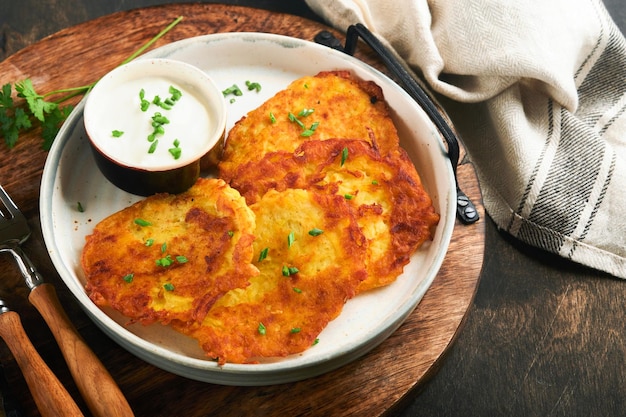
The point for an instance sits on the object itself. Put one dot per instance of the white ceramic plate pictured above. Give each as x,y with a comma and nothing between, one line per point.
70,176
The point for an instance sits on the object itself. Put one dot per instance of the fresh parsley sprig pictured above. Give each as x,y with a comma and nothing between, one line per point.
40,110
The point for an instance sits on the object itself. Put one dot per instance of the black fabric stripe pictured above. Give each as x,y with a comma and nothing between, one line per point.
543,238
533,176
605,84
596,208
613,119
579,155
570,181
595,47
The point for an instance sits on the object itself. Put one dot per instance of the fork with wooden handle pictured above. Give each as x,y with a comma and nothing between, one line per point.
101,393
51,397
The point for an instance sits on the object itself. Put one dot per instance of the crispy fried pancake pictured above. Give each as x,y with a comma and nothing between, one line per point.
326,219
386,195
126,258
281,313
344,107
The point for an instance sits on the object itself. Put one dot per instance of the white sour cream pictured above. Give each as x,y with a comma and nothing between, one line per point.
189,124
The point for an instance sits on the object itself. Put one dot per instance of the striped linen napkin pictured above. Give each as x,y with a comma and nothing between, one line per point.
537,92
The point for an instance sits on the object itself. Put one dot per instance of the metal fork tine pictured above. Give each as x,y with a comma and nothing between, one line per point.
14,228
8,205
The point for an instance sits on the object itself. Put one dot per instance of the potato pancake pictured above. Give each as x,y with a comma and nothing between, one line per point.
385,195
310,254
170,257
329,105
316,202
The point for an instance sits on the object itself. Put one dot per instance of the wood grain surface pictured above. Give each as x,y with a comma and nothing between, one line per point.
96,385
381,382
48,392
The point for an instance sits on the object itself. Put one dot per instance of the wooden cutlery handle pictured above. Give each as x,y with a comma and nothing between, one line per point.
100,391
50,395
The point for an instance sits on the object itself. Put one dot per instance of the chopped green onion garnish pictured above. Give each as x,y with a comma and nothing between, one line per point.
80,207
163,247
263,254
374,182
169,286
253,86
234,89
181,259
164,104
298,290
153,146
290,239
129,278
272,118
164,262
117,133
315,342
293,118
231,233
142,222
289,270
176,93
305,112
158,118
348,196
149,242
344,156
308,132
295,330
261,329
144,103
175,152
315,231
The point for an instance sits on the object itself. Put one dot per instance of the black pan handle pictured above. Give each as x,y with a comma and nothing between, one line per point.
466,210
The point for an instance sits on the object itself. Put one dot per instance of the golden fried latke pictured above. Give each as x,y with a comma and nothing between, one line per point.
331,104
385,194
310,253
170,257
317,203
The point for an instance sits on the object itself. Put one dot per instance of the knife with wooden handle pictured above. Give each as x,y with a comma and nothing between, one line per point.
96,385
100,391
50,395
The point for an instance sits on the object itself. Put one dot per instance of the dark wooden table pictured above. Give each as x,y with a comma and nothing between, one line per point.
542,336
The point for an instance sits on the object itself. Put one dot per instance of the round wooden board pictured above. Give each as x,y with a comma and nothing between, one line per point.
373,385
